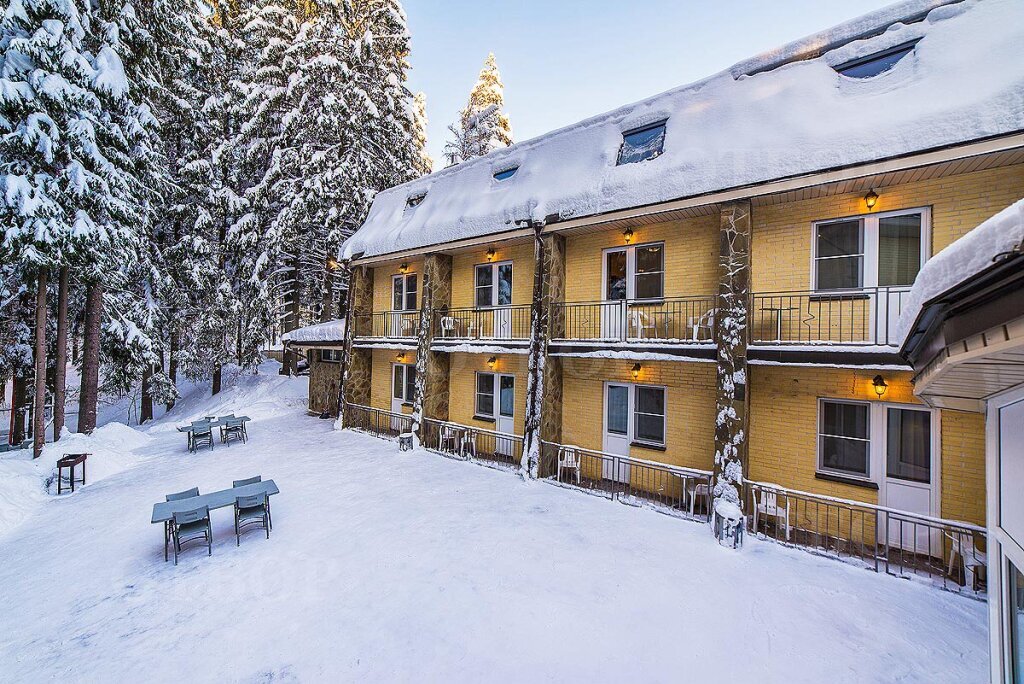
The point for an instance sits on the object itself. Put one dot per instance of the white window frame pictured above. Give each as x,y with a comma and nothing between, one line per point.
331,355
493,415
405,382
867,477
404,278
634,403
869,232
631,273
494,283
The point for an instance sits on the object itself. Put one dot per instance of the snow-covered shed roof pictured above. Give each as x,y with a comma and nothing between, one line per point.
321,333
785,113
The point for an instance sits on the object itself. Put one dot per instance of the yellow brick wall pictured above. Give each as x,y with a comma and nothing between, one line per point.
463,272
691,258
463,369
382,287
380,385
690,397
783,435
782,237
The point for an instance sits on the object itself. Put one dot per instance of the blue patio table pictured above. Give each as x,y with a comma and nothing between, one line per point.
164,511
214,424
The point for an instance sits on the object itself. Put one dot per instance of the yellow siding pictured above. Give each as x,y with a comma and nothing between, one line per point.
963,466
463,272
380,386
781,242
690,433
462,376
382,288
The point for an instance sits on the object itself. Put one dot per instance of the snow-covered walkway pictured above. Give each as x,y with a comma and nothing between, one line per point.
388,566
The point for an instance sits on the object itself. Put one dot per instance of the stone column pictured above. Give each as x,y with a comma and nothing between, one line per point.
731,339
432,368
544,380
356,364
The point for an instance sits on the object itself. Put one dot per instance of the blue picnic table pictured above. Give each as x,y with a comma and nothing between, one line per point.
214,423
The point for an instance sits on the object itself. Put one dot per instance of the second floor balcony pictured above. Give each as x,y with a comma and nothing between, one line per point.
403,325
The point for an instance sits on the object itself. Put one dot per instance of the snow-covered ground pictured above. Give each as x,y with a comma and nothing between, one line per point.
389,566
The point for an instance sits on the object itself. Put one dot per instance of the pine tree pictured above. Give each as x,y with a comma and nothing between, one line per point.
424,162
482,126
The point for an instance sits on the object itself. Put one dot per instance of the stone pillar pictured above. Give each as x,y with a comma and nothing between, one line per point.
544,379
432,368
356,364
731,339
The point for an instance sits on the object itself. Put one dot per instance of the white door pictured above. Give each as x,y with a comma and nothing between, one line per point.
400,323
618,412
403,391
616,292
906,441
493,285
505,420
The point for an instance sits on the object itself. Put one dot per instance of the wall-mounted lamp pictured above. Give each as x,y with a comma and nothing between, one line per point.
871,199
404,267
879,385
332,264
492,362
635,370
490,254
627,235
400,356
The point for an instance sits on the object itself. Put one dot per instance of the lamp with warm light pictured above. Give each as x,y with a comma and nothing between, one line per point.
635,370
880,386
490,254
627,235
871,199
492,362
400,356
403,268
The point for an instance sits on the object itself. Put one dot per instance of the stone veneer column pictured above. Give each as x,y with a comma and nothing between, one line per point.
432,368
357,364
731,339
544,379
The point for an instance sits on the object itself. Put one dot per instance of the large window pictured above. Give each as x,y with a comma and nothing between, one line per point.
642,143
635,272
403,292
649,414
844,442
484,395
885,250
493,284
403,385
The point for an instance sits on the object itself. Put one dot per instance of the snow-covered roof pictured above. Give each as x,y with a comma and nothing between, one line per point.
331,331
787,112
973,253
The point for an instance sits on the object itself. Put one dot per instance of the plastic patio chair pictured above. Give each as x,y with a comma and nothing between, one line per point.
641,323
769,506
190,526
447,326
450,438
253,480
970,557
568,459
231,428
704,322
176,496
202,434
251,511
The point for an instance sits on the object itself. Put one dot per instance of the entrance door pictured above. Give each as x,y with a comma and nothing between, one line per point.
494,291
909,468
505,421
618,411
403,392
403,300
616,292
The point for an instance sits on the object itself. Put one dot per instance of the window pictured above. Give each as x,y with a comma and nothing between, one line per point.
635,272
884,250
618,410
642,143
875,64
909,447
493,284
649,415
403,386
415,200
844,437
330,355
506,174
403,292
485,395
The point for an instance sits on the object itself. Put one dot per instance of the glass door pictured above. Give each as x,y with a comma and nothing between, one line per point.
908,475
616,291
618,414
506,413
900,257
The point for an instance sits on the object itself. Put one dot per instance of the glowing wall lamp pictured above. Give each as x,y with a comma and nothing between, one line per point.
492,362
490,254
871,199
879,384
400,356
627,235
635,370
404,268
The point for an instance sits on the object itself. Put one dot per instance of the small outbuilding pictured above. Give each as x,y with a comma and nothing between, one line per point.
322,347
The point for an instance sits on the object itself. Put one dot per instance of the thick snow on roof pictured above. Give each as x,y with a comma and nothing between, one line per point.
964,81
331,331
963,259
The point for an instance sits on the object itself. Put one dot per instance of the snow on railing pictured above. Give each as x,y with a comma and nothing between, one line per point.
864,316
683,320
377,422
486,323
471,442
387,324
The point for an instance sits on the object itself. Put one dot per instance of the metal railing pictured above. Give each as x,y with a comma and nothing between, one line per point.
377,422
884,539
493,323
387,324
466,441
671,319
682,492
857,317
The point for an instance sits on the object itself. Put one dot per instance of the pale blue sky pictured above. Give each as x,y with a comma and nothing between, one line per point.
565,60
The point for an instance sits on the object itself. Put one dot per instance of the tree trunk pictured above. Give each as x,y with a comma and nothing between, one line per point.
61,358
146,409
217,371
90,359
328,294
172,366
39,406
76,333
19,402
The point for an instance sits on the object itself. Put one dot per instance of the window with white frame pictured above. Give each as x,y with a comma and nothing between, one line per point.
484,405
635,272
844,438
881,250
403,385
330,355
493,284
403,292
649,415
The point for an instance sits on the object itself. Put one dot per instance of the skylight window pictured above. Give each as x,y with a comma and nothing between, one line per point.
506,174
641,144
875,64
415,200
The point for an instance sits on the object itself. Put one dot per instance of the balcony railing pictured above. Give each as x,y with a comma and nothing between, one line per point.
853,317
685,320
377,422
885,539
466,441
494,323
683,492
388,324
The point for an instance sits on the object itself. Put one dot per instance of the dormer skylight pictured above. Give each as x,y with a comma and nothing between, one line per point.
506,174
415,200
641,144
877,63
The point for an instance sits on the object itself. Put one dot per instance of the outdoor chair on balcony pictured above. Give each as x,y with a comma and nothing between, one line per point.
568,460
468,445
769,506
407,327
970,557
251,511
447,326
642,324
190,526
705,323
449,439
254,480
202,434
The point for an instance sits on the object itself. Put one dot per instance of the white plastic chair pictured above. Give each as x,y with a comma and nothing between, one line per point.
447,326
468,445
698,491
568,459
705,321
641,323
970,556
769,506
407,326
450,438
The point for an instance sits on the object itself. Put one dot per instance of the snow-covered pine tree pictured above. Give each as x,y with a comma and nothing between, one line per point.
424,162
482,125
